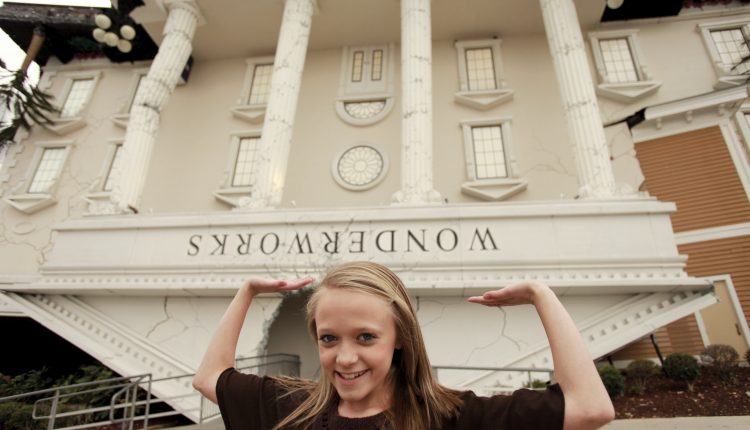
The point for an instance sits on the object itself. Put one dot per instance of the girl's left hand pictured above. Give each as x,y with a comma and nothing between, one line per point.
519,293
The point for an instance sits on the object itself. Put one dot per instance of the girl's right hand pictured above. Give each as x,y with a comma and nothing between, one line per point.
260,286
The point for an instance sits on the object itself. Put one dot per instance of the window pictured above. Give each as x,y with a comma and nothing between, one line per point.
242,165
481,82
99,197
121,118
256,88
365,84
618,60
727,43
114,168
78,96
47,170
490,165
731,46
480,69
37,190
360,166
75,96
261,86
622,74
488,152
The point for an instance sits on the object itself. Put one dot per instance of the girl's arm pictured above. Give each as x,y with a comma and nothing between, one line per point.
221,350
587,404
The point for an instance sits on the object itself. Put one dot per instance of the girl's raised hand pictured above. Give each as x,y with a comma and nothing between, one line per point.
259,286
519,293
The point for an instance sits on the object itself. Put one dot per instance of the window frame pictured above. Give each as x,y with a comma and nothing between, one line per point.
228,193
253,113
377,93
65,125
625,92
492,189
486,98
725,77
20,197
122,117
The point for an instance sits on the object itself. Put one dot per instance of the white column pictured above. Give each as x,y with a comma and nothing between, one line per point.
152,97
273,153
579,100
416,121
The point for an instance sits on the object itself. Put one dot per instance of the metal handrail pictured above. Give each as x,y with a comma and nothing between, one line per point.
528,370
127,389
210,410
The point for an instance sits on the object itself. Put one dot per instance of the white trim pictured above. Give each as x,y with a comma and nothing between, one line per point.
702,329
27,202
491,189
123,115
481,99
712,233
744,328
62,126
739,157
252,113
379,178
625,92
688,114
367,90
98,199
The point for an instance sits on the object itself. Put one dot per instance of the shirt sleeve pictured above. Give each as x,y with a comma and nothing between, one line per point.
524,409
246,402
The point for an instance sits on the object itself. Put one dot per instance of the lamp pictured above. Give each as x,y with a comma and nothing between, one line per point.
615,4
106,34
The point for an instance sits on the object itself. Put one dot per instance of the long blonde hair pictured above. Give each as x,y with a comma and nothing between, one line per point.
419,402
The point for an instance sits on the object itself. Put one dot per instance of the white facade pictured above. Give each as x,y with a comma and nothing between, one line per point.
493,173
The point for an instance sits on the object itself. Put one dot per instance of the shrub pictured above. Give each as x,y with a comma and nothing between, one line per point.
747,356
721,360
536,384
683,368
638,372
613,380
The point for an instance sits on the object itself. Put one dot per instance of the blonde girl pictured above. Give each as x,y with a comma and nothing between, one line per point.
375,373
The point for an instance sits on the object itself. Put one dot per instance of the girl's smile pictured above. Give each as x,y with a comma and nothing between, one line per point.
356,340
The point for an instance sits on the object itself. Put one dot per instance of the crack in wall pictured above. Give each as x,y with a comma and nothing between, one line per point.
501,336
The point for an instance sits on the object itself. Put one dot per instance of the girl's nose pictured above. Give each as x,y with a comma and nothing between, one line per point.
346,356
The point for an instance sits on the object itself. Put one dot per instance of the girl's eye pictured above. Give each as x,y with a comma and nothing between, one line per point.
366,337
327,338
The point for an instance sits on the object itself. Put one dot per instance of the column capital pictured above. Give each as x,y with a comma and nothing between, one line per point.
187,5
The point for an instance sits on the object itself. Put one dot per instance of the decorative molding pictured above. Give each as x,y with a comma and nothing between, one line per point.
494,189
713,233
688,114
114,345
367,102
360,166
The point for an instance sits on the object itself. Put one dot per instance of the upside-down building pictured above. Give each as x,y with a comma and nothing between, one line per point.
466,145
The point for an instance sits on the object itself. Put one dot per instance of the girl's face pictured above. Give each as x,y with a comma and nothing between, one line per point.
356,340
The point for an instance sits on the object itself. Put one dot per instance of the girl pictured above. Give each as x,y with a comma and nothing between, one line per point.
375,373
